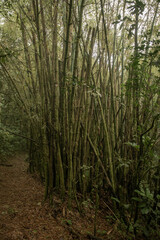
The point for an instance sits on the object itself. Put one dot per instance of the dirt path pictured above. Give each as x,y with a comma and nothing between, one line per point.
22,215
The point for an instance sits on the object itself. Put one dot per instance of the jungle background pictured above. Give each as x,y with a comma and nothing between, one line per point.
80,92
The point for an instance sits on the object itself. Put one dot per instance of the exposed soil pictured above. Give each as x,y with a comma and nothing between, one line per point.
24,215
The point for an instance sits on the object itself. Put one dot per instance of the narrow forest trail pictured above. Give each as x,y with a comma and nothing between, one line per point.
22,215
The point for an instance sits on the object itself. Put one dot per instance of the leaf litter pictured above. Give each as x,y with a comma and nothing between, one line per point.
24,215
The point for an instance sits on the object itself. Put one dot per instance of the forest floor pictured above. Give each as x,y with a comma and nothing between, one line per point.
24,214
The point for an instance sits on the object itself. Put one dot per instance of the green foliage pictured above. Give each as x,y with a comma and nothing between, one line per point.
67,221
133,144
101,232
9,142
145,200
136,5
149,206
6,140
86,171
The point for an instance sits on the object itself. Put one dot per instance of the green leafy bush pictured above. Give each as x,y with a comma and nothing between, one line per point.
9,143
149,211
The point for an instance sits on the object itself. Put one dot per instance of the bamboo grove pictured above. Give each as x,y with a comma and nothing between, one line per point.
85,74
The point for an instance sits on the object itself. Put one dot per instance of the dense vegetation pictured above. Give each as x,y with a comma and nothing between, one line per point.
81,82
